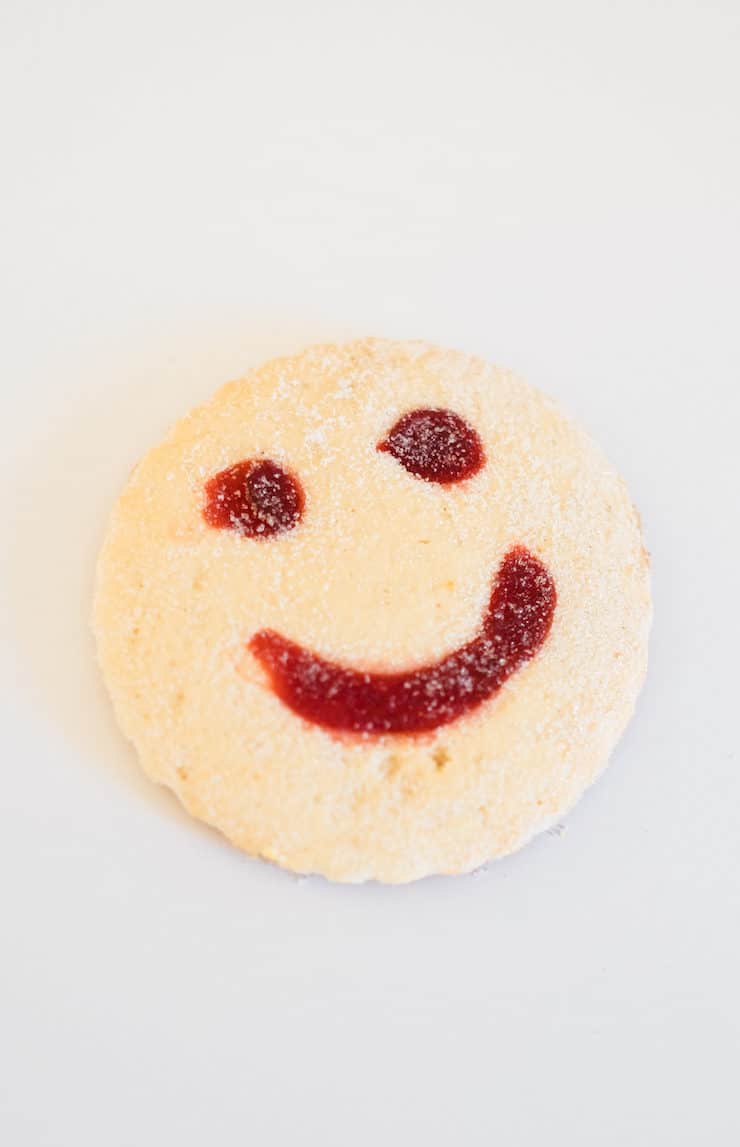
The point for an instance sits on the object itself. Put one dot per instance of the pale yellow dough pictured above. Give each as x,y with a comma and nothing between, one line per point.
384,571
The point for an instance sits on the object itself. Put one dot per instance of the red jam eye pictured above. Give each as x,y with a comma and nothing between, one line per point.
437,445
256,499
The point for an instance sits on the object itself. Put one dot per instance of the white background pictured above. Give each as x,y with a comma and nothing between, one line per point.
189,188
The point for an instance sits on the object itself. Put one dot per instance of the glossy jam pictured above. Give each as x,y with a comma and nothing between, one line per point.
256,498
515,625
437,445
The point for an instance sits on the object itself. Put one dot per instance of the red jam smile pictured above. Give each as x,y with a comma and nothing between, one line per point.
256,499
515,625
437,445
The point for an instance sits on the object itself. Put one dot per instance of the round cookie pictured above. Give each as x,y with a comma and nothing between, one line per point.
375,611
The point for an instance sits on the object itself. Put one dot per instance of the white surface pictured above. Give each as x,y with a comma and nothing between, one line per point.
186,190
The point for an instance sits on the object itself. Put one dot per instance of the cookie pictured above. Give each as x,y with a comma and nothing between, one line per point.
374,611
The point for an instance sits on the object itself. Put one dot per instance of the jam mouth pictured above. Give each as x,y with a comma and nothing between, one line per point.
515,625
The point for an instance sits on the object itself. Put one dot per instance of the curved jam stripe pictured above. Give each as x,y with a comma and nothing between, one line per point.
515,625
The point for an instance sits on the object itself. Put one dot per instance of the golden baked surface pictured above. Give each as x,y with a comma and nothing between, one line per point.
384,571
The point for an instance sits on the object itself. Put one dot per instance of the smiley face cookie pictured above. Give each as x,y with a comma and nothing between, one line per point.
374,611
